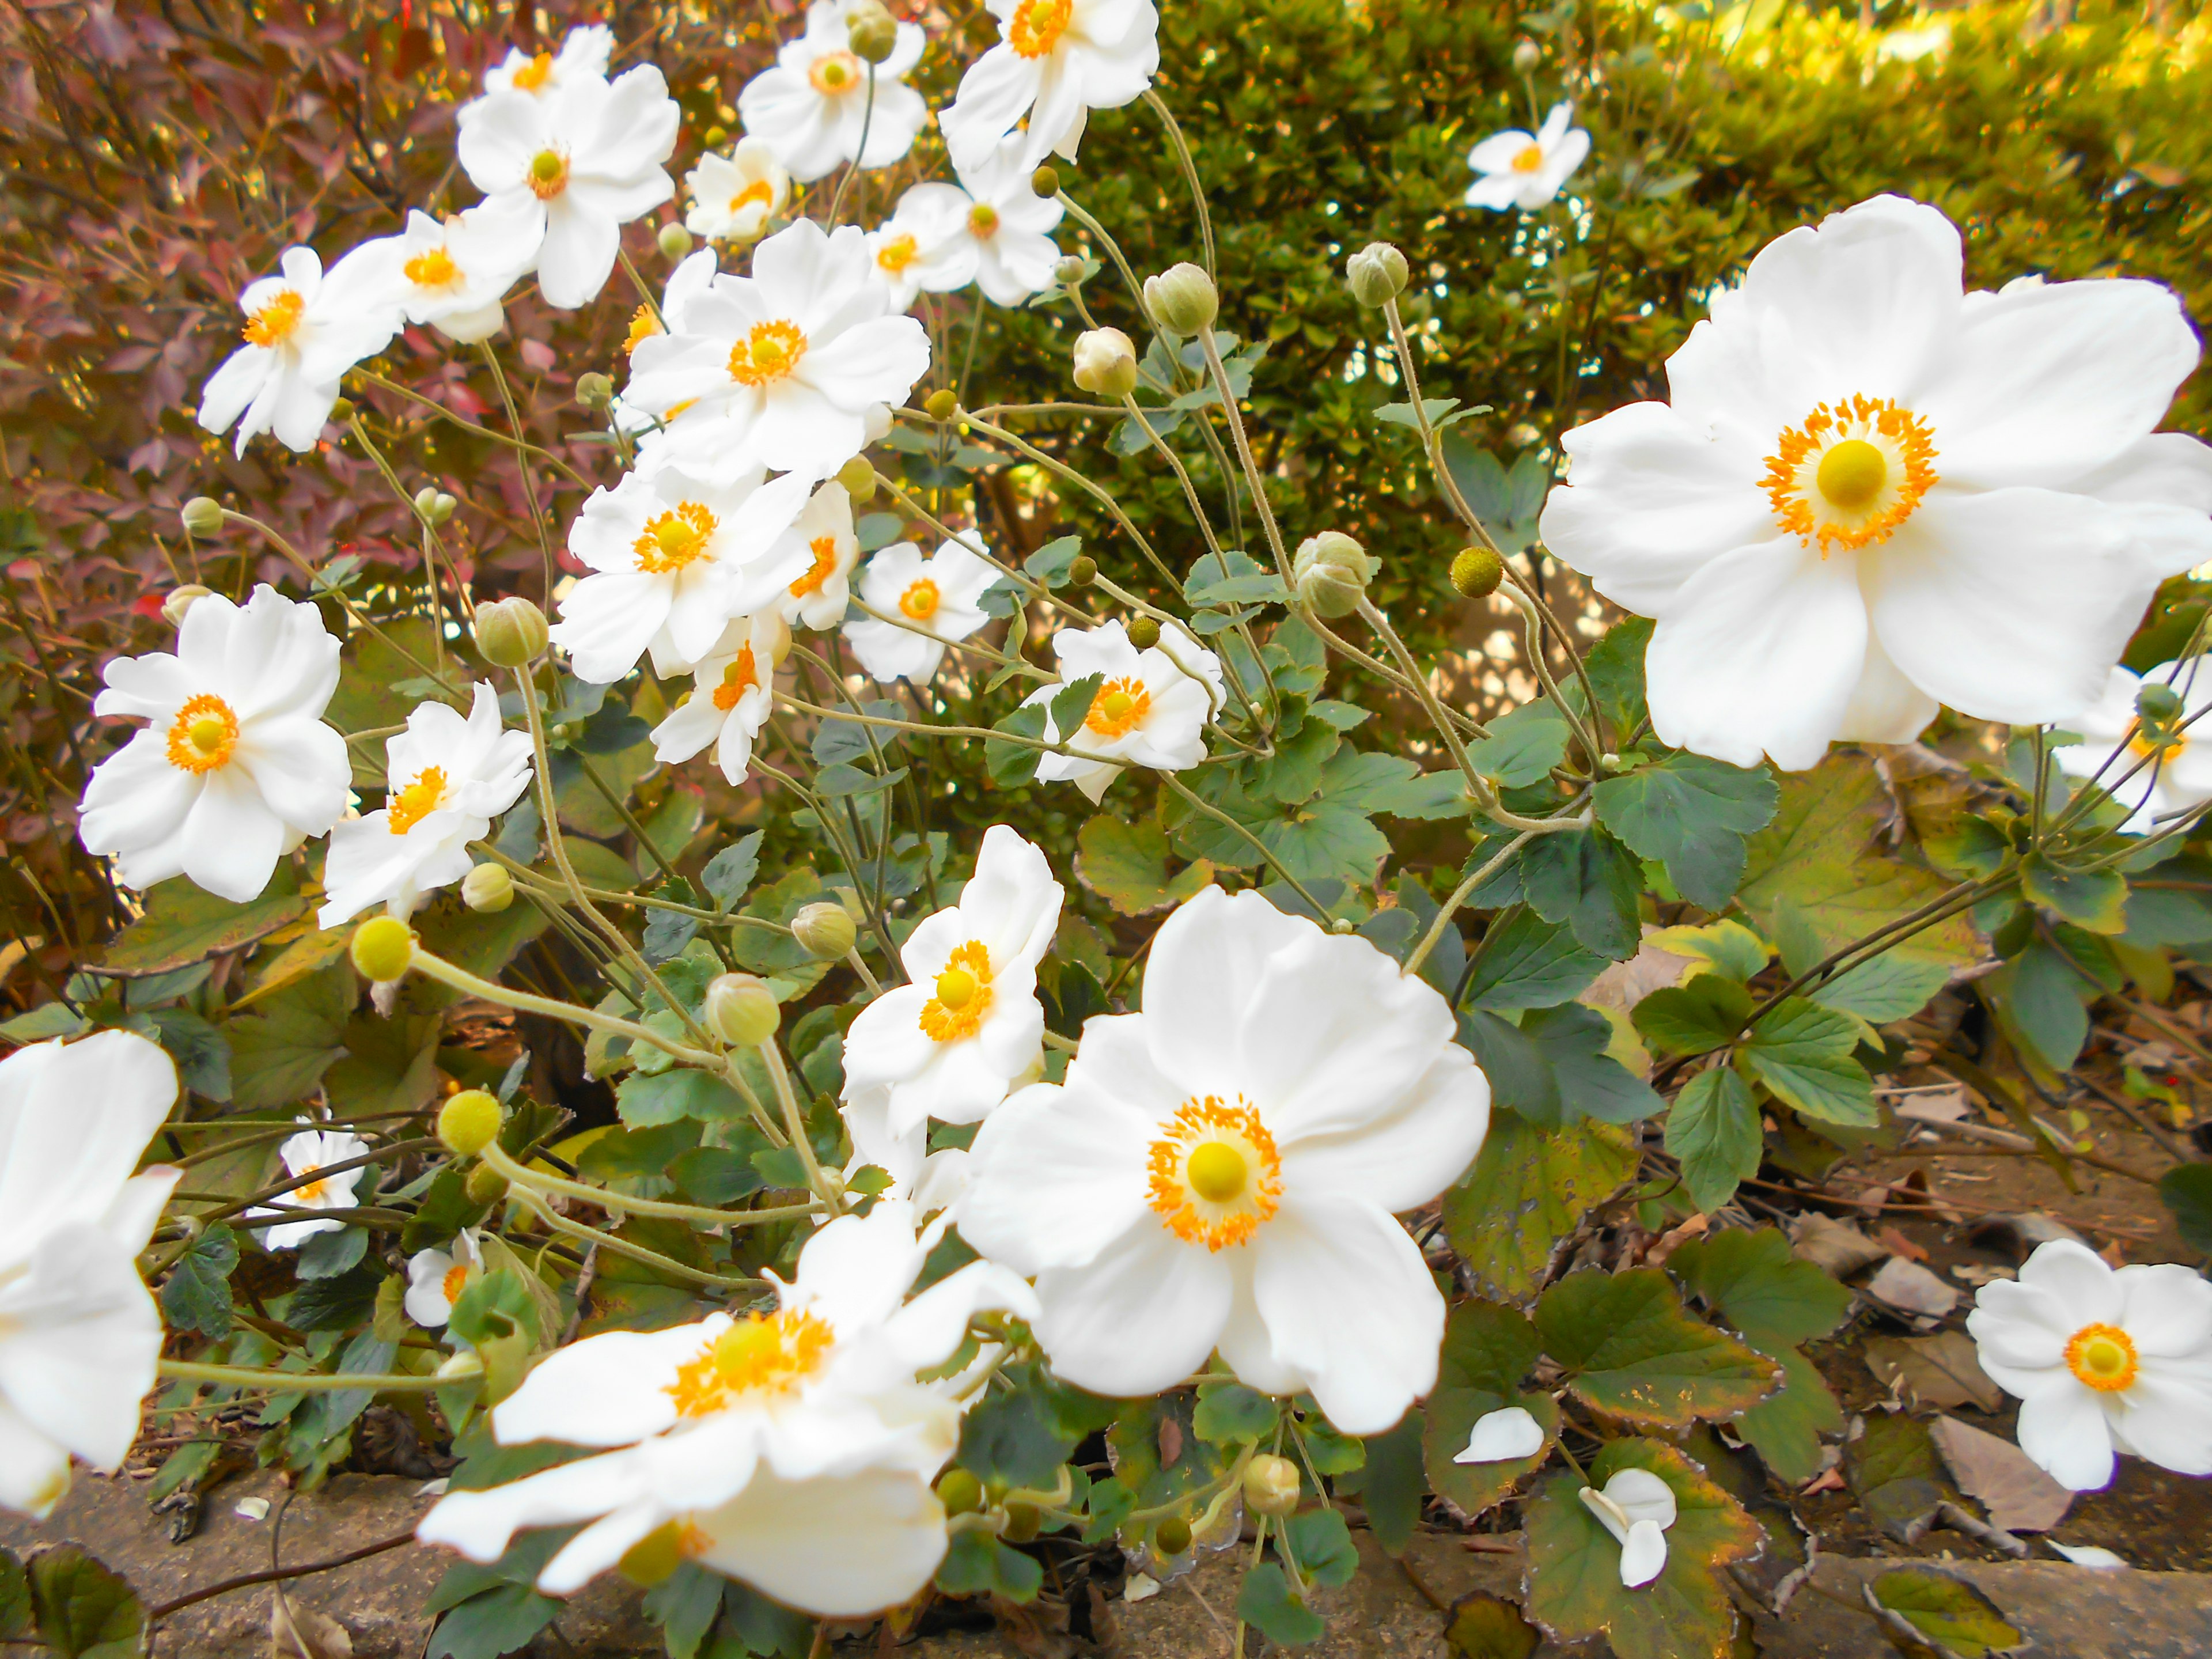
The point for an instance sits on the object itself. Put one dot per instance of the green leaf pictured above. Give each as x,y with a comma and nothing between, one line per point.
499,1620
2187,1190
1894,1469
684,1604
442,1211
2094,900
1013,764
1321,1543
1713,1129
682,1092
184,924
1526,962
667,933
1692,1018
336,1304
1488,1352
1127,865
1887,988
1615,667
1435,409
1590,881
1527,1192
280,1051
327,1254
201,1050
1802,1052
197,1297
1233,579
977,1564
1266,1602
731,871
1691,813
1958,1619
1727,947
1967,847
2045,1003
1523,746
1632,1350
17,1612
496,1304
1228,1414
83,1609
1049,563
1393,1491
1015,1438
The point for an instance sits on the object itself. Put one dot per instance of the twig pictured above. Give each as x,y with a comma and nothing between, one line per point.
247,1581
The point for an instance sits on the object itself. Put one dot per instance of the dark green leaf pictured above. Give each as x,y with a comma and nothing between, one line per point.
442,1211
1265,1602
1894,1469
1693,1019
1632,1351
1712,1128
197,1297
1488,1352
1958,1619
1526,962
1393,1491
496,1304
201,1050
1802,1052
1590,881
1691,813
2047,1002
1228,1414
682,1092
2187,1190
499,1620
1049,563
83,1609
667,933
1615,667
279,1050
684,1604
184,924
731,871
336,1304
1322,1544
977,1564
1015,1438
1012,764
327,1254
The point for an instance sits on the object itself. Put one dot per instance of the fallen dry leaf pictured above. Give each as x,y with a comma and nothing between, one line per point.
1625,984
1910,1288
1836,1248
1898,1244
2018,1496
1941,1370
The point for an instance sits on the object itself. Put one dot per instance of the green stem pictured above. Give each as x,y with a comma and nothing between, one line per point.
1459,896
243,1376
619,1204
1189,173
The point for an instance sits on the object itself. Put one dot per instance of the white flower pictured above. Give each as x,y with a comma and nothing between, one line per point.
734,196
2172,769
446,779
79,1333
304,1154
693,276
576,164
583,56
989,230
818,598
1055,62
675,559
236,767
1636,1507
1221,1170
731,698
1502,1437
2103,1360
789,367
1525,170
935,598
793,1450
1873,491
1147,711
455,275
812,106
895,249
303,331
435,1279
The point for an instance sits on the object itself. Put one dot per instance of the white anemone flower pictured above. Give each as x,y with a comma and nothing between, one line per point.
79,1334
576,165
304,330
1147,711
583,56
1055,62
1502,1437
455,275
236,767
812,106
1526,170
1636,1507
1222,1171
435,1279
793,367
894,254
936,600
793,1450
732,696
733,197
817,599
1874,492
2171,764
2103,1360
446,777
308,1153
675,559
990,229
693,276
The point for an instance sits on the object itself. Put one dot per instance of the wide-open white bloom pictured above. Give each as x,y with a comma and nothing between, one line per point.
435,1279
2103,1360
236,767
1871,492
812,106
1501,1436
1636,1507
1221,1171
304,330
675,559
1525,170
992,229
791,1449
733,197
817,599
446,777
1147,712
583,56
793,367
453,274
304,1154
577,163
935,600
2172,768
79,1333
1055,62
730,699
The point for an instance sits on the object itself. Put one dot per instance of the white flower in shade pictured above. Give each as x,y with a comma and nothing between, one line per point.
818,598
895,248
1147,711
793,1450
693,276
1502,1437
1055,62
1636,1507
793,367
79,1334
936,600
576,165
583,56
435,1279
306,1154
812,106
236,767
1525,170
731,698
990,229
1221,1171
733,197
1873,492
304,330
2171,766
446,777
454,274
2103,1360
931,1180
675,559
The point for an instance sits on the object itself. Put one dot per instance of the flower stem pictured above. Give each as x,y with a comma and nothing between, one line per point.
244,1376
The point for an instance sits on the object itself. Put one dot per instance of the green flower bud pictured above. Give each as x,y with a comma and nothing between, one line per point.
942,405
468,1122
961,1492
1330,572
2157,702
342,411
1526,54
510,632
742,1011
1376,275
594,390
488,889
654,1558
485,1186
1144,632
1045,181
873,33
180,601
1106,362
1172,1537
1181,300
859,477
824,931
1476,572
675,242
1022,1520
1342,925
1082,570
383,948
434,506
715,136
1271,1485
203,517
1068,271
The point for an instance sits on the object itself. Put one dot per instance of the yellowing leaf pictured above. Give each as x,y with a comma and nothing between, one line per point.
1525,1194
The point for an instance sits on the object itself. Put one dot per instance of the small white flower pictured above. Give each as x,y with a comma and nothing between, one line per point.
1147,711
989,230
303,331
435,1279
895,248
693,276
2103,1360
1636,1507
79,1334
817,599
455,275
446,779
734,196
304,1154
731,698
236,767
1526,170
812,106
1502,1437
1055,62
935,600
583,56
2172,770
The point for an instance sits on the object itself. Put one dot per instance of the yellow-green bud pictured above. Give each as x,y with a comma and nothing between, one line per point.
1526,54
1144,632
1342,925
1022,1520
1376,274
434,506
383,949
1045,181
1476,572
1181,298
1082,571
742,1011
942,405
2157,702
872,32
468,1122
485,1185
1068,270
1106,362
180,601
1330,572
342,411
594,390
859,477
1271,1485
488,889
510,632
715,136
203,516
1172,1535
675,242
961,1492
824,931
654,1558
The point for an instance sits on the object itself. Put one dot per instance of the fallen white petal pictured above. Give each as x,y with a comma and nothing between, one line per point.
1644,1556
253,1508
1141,1586
2094,1556
1502,1437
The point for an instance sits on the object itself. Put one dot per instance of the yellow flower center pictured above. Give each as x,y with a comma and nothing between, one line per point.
963,994
1215,1172
549,174
455,1281
2103,1357
759,191
2149,743
1530,159
896,254
769,353
825,549
411,805
1037,25
983,220
920,600
674,539
1120,707
737,679
535,73
433,268
274,323
760,1354
835,72
202,735
314,1192
643,325
1851,474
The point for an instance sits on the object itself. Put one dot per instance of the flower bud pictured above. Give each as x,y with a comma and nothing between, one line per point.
1330,572
203,517
824,931
485,1185
1526,54
434,506
960,1492
1172,1535
872,32
675,242
510,632
1068,271
180,601
1022,1522
859,477
742,1011
488,889
1343,925
468,1122
2157,702
1271,1485
1476,572
942,405
1045,181
383,946
1376,275
654,1558
594,390
1106,362
1181,298
1082,570
715,136
1144,632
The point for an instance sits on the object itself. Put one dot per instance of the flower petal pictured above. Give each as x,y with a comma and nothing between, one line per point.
1139,1316
2063,1432
1055,1175
835,1546
1502,1437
